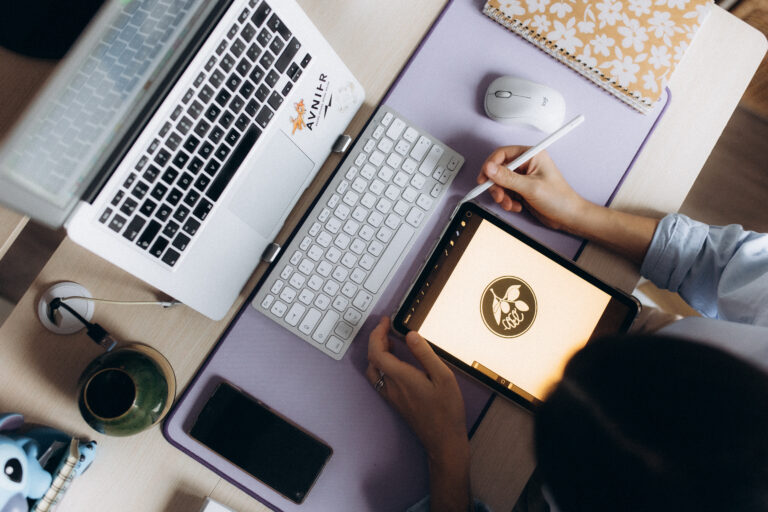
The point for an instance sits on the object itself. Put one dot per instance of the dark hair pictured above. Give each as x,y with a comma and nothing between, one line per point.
650,423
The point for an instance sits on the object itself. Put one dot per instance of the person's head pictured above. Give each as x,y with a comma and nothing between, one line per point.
647,423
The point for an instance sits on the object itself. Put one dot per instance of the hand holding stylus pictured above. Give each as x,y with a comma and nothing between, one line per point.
536,185
529,153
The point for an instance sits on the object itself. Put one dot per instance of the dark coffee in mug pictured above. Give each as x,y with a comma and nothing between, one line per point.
126,390
110,393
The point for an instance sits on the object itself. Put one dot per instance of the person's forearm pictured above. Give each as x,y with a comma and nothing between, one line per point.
624,233
449,481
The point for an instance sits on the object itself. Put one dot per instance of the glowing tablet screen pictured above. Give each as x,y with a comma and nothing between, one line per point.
505,309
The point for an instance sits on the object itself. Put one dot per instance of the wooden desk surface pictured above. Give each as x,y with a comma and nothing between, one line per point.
143,472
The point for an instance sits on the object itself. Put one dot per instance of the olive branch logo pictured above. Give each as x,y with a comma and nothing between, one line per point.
508,306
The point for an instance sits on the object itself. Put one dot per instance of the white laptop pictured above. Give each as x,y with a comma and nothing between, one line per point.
177,135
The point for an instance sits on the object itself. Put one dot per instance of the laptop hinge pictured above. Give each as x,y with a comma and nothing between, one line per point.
342,144
271,252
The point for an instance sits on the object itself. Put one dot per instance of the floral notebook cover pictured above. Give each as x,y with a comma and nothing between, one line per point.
628,47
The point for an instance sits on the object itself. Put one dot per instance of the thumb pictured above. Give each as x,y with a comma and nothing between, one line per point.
508,179
431,362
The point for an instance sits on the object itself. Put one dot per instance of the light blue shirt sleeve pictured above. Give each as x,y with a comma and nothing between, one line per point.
721,271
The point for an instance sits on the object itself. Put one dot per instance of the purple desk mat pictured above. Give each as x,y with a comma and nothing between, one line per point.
377,463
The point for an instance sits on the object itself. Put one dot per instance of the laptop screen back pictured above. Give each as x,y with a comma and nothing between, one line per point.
93,98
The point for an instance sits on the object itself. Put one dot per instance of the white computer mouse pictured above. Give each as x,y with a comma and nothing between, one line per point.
513,100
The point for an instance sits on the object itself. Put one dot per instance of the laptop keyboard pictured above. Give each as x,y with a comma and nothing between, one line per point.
66,136
339,262
175,183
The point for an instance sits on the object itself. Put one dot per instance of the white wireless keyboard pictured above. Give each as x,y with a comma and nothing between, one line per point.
333,271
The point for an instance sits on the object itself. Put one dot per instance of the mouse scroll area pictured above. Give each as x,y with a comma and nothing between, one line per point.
517,101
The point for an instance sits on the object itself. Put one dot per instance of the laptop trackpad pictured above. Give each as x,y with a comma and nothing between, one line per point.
272,185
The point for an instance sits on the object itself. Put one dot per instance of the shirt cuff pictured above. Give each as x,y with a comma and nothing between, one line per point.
674,248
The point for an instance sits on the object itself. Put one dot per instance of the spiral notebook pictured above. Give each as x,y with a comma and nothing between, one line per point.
629,48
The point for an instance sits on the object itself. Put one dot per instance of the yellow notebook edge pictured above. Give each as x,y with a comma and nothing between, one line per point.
587,72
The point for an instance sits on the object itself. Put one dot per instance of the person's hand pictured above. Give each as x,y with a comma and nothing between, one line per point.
429,400
536,185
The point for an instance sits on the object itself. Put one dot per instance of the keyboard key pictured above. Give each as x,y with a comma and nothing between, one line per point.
276,46
162,157
310,321
163,212
202,209
266,61
216,79
287,56
129,206
149,234
233,82
362,300
206,150
205,94
151,173
169,176
275,100
238,155
294,314
158,247
191,143
170,257
261,14
334,344
148,207
262,93
158,192
174,196
242,122
216,134
140,190
105,215
117,223
191,226
277,25
170,229
181,158
306,60
181,213
181,241
323,331
191,198
134,227
195,109
226,119
264,37
247,89
237,48
201,182
265,116
272,78
243,67
294,72
248,32
222,152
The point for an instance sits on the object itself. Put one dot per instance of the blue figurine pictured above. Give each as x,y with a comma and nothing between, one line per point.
30,459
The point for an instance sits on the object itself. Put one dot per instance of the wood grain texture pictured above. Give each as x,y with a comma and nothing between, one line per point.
144,472
11,225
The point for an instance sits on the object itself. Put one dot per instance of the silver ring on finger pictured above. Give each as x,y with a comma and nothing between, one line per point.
379,383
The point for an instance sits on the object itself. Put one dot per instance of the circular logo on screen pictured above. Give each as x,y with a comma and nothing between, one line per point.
508,306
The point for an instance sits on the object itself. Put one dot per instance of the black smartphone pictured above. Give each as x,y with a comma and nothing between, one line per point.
261,442
505,309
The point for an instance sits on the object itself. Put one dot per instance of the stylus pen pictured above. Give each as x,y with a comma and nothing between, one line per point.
517,162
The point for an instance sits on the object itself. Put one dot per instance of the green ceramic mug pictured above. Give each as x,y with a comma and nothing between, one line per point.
126,390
